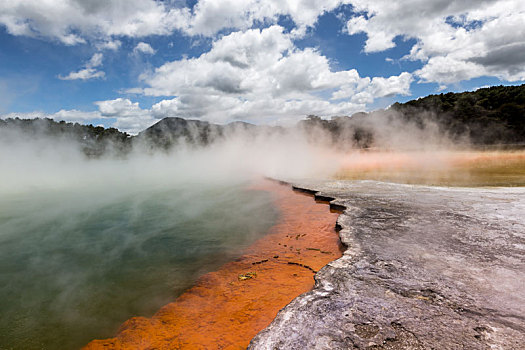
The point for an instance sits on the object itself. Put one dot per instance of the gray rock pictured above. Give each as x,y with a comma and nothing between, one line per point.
425,268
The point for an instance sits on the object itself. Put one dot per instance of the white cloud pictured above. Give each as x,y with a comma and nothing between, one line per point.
95,61
259,75
447,69
145,48
210,16
89,71
76,21
113,45
129,117
83,74
119,107
366,90
470,38
394,85
456,40
264,110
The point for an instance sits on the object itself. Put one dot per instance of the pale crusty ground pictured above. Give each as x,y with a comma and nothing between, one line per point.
425,268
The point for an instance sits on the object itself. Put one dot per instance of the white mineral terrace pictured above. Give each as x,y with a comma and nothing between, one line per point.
425,267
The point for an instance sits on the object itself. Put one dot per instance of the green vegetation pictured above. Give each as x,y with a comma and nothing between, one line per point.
94,140
489,115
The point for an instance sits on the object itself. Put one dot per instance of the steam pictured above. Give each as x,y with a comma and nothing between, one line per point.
42,162
315,148
384,141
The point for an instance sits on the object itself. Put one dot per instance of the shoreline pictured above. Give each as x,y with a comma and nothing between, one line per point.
425,268
228,307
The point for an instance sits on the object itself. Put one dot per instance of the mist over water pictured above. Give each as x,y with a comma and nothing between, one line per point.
77,262
87,243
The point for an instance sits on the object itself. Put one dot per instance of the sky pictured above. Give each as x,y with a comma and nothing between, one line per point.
129,63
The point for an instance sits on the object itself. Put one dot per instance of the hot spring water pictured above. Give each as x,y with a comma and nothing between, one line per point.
75,263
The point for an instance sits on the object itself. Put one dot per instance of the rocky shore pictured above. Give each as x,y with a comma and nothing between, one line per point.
425,268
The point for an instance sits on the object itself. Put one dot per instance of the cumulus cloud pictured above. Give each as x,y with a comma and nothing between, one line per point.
366,90
75,21
89,71
128,115
260,75
456,40
210,16
144,48
265,110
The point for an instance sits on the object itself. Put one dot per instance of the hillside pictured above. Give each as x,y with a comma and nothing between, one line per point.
172,130
489,115
94,140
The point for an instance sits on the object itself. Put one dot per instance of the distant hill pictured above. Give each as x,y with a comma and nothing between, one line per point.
489,115
171,131
93,140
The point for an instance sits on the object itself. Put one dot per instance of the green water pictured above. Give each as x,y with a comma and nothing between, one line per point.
75,264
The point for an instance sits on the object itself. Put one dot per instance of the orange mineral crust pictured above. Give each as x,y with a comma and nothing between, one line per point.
228,307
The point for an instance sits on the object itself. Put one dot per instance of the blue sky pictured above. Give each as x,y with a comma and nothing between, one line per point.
129,63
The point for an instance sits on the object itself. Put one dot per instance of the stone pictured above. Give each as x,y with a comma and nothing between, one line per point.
424,268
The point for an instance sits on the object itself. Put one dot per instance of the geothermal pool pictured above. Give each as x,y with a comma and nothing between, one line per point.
77,262
226,308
